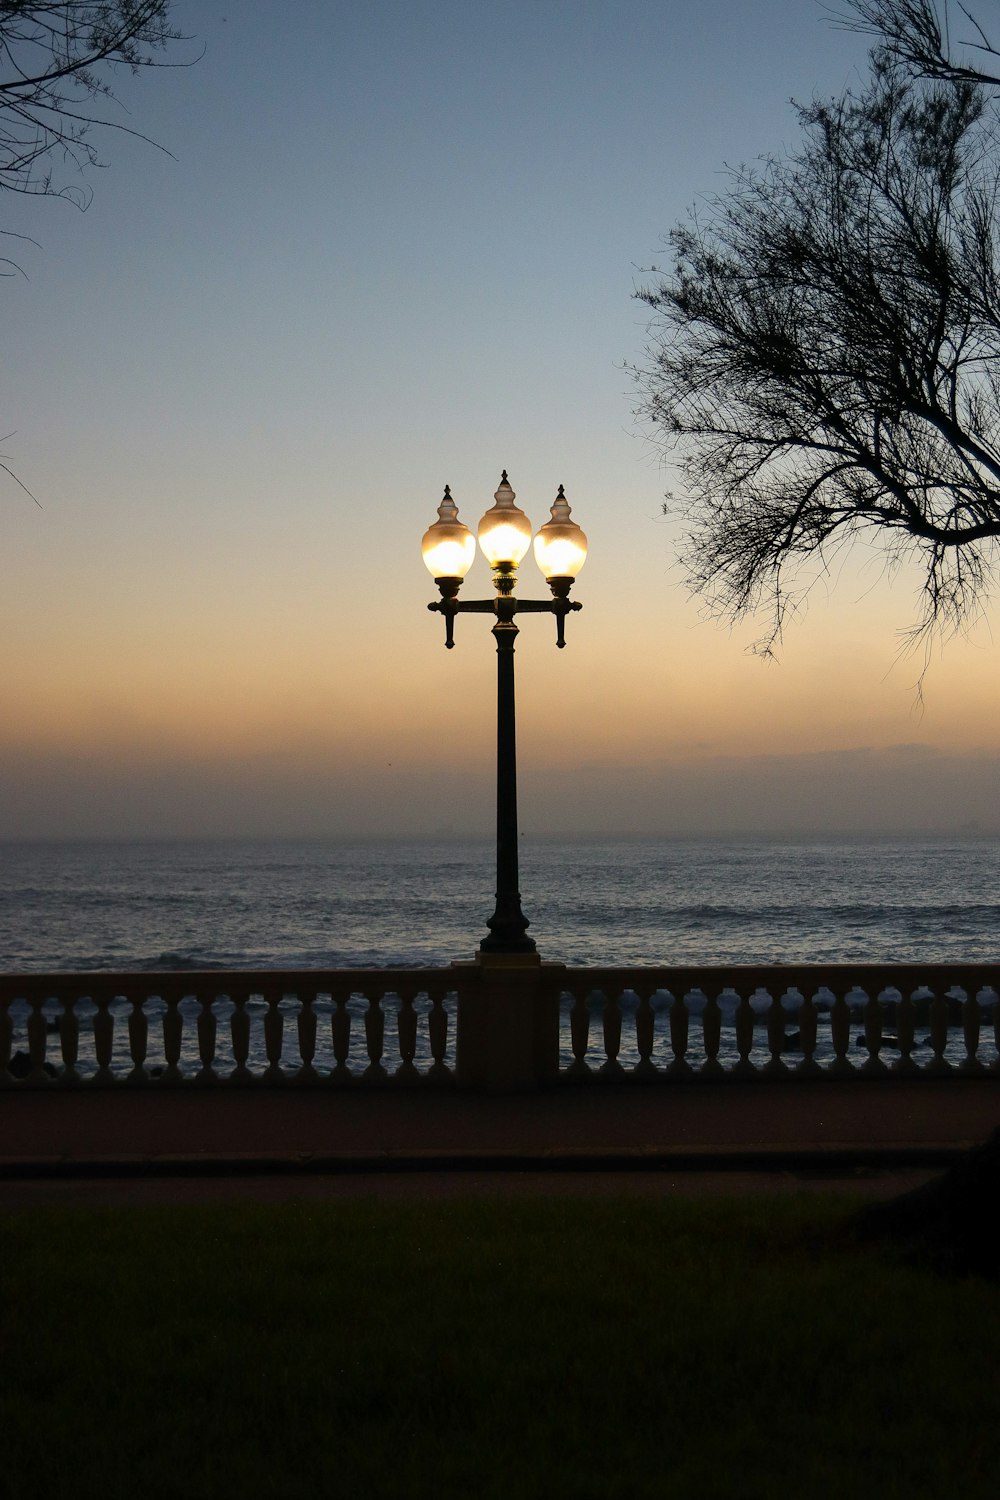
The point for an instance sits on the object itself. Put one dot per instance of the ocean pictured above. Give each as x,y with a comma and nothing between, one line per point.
254,904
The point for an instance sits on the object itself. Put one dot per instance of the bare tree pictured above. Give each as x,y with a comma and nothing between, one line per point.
825,355
57,65
918,35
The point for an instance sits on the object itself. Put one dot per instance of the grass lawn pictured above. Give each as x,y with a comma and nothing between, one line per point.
487,1348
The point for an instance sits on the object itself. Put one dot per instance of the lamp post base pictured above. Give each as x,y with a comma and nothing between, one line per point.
494,945
503,962
508,930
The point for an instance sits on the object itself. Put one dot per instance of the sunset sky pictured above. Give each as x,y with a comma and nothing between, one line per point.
395,247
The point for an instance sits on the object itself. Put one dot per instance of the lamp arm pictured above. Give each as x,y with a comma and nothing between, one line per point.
560,606
505,606
450,606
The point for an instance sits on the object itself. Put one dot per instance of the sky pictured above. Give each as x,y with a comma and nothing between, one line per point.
395,246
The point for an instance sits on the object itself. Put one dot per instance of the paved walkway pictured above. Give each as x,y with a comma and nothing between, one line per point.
267,1144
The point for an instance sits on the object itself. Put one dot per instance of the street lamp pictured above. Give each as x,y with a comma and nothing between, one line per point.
449,549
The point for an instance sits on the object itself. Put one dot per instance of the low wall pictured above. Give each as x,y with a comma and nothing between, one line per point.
498,1025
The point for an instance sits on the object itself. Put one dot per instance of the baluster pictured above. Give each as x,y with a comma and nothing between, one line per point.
711,1029
239,1029
306,1025
775,1027
905,1020
579,1032
69,1040
938,1015
104,1039
871,1015
289,1004
644,1033
37,1042
679,1021
274,1026
808,1023
840,1036
340,1031
138,1040
612,1029
745,1020
173,1028
80,1035
972,1020
374,1039
207,1030
406,1031
437,1032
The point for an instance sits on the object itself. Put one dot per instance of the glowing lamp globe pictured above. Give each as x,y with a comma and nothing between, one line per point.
504,531
560,546
449,548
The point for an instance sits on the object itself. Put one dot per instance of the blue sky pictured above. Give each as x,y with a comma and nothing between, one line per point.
395,246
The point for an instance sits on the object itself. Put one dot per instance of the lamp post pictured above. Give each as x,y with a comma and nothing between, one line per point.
449,549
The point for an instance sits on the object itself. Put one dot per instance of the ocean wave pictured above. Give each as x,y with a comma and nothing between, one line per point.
408,905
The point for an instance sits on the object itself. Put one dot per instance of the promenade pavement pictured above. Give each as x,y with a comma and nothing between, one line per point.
267,1144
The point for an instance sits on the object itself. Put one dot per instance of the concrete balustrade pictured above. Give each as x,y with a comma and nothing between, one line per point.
210,1028
840,1021
498,1024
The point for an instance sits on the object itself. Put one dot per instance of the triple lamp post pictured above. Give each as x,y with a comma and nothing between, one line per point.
449,549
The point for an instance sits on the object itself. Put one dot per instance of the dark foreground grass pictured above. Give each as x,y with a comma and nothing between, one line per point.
487,1349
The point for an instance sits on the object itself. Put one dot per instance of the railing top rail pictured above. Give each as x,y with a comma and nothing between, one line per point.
676,978
813,975
222,980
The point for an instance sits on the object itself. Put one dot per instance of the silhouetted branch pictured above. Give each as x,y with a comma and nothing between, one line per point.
11,475
56,57
825,355
917,35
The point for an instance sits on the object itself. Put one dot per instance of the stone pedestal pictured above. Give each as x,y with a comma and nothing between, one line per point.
508,1026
